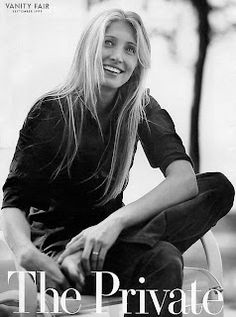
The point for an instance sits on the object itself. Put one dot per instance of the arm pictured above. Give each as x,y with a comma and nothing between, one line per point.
13,220
27,185
179,185
164,149
16,230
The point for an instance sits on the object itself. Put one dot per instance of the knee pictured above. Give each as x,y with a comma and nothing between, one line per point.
224,191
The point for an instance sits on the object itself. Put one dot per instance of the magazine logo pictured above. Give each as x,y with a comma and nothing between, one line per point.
27,7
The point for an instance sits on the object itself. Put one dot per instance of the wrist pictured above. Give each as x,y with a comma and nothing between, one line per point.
24,254
119,219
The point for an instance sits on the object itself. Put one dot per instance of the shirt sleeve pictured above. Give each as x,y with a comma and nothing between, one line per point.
28,180
157,134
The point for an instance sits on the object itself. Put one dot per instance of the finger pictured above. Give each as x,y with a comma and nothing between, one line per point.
64,285
76,246
85,258
61,280
101,258
79,236
73,275
54,276
94,257
81,272
54,273
58,282
79,279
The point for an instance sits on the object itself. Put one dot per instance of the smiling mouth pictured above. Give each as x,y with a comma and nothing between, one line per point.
112,69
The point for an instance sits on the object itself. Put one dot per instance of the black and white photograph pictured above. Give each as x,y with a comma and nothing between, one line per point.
117,158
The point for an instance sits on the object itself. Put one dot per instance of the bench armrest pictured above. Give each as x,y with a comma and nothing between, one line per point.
213,256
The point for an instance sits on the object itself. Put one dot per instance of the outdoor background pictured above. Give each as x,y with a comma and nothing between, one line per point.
193,76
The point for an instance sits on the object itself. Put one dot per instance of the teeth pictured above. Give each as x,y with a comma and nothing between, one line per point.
112,69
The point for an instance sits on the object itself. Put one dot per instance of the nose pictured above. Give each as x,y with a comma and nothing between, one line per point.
117,55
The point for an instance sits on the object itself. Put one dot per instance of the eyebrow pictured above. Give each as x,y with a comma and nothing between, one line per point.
114,37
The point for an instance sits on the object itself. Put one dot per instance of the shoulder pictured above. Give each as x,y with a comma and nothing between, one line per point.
44,117
157,116
45,108
151,104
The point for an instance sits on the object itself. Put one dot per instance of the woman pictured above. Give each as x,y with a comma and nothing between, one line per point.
63,195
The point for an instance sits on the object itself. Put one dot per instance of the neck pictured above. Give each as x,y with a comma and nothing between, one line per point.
106,100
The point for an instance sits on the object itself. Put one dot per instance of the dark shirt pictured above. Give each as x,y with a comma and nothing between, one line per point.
60,208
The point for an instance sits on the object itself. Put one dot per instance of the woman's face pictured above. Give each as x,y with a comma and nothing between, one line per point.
119,55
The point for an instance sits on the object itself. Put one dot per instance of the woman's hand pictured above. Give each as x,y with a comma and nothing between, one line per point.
33,259
72,268
94,242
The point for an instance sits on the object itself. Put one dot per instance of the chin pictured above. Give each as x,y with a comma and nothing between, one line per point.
111,85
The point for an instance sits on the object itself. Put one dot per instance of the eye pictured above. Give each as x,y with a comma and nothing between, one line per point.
108,43
131,50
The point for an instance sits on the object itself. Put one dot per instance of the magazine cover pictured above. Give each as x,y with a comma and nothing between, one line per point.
117,151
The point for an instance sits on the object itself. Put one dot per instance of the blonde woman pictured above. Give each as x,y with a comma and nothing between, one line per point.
63,211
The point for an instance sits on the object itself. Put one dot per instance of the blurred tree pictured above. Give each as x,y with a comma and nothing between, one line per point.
202,8
214,18
207,13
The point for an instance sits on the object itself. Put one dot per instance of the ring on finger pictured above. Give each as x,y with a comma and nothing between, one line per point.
95,253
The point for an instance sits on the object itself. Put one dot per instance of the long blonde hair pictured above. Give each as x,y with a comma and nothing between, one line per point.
81,91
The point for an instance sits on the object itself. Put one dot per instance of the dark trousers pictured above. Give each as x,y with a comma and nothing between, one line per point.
160,263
